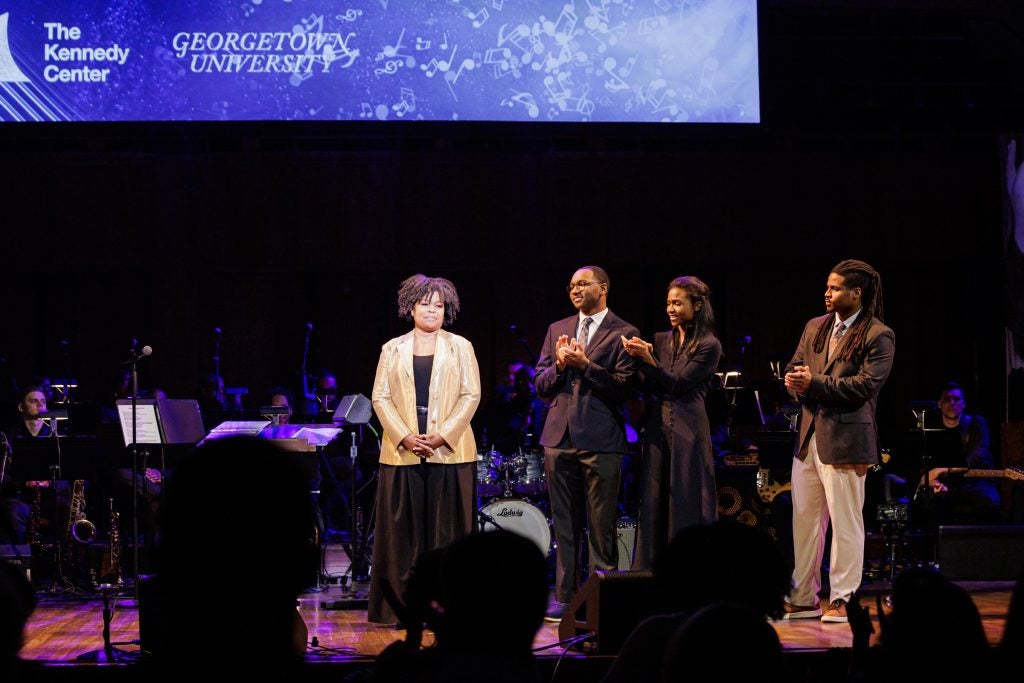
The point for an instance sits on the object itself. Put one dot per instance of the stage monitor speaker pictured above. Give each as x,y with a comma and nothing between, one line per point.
354,409
625,538
981,553
609,606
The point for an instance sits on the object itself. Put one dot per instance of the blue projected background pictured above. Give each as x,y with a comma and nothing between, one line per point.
469,60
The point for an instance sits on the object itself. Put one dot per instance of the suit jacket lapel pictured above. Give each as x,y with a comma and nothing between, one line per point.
405,356
602,332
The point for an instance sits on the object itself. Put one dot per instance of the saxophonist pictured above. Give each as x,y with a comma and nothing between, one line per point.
28,503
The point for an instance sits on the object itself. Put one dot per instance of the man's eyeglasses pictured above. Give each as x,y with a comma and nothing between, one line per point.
580,284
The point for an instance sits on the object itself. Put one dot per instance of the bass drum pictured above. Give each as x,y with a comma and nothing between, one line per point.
521,517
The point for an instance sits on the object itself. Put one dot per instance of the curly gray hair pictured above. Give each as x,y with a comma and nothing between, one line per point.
419,287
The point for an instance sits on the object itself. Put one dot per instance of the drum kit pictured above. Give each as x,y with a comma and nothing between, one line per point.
515,489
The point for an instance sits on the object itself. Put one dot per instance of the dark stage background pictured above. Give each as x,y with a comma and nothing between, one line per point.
880,141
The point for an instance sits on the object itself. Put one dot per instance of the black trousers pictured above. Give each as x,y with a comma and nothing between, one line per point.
583,487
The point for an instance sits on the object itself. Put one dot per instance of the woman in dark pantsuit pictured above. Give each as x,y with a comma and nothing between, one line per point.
677,486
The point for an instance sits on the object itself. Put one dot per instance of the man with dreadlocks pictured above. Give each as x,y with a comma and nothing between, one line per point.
839,367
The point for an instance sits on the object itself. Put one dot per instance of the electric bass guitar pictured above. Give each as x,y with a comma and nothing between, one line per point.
768,488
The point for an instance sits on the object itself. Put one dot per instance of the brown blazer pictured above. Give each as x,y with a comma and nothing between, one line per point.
839,406
454,396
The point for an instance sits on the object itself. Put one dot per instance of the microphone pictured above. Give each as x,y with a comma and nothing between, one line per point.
743,346
216,332
146,351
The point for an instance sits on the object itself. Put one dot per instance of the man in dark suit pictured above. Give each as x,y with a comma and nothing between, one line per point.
586,375
839,367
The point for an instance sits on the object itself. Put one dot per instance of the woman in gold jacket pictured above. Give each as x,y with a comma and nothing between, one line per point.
425,393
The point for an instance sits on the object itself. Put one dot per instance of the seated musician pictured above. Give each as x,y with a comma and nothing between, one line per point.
514,417
28,507
956,497
31,408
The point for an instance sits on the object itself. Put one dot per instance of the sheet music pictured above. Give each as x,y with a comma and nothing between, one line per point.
146,425
318,436
239,428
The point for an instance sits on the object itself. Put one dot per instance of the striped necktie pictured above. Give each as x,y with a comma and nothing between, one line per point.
585,332
833,342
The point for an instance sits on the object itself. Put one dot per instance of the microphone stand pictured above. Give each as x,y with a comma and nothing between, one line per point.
309,396
135,474
514,329
930,529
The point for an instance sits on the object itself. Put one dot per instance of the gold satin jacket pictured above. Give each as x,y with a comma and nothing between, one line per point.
454,397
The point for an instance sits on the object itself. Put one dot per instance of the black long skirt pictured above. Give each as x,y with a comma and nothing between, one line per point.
419,508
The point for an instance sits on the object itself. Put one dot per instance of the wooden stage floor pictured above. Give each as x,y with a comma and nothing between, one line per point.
62,628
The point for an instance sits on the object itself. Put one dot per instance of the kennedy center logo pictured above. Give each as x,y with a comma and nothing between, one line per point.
9,71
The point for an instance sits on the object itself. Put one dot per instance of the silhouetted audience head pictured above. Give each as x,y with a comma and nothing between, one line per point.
482,634
712,563
736,637
1013,635
932,616
17,601
237,513
470,569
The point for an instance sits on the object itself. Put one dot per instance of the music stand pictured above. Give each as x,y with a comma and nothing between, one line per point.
355,410
940,447
306,439
162,422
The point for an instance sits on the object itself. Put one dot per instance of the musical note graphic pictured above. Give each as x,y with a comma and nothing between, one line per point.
313,21
649,25
422,44
628,68
365,111
708,74
299,77
392,50
390,67
407,104
478,18
555,86
526,99
613,84
497,4
451,79
565,27
248,9
434,65
349,15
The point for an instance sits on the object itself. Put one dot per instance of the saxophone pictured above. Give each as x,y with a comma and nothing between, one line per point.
79,528
115,546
